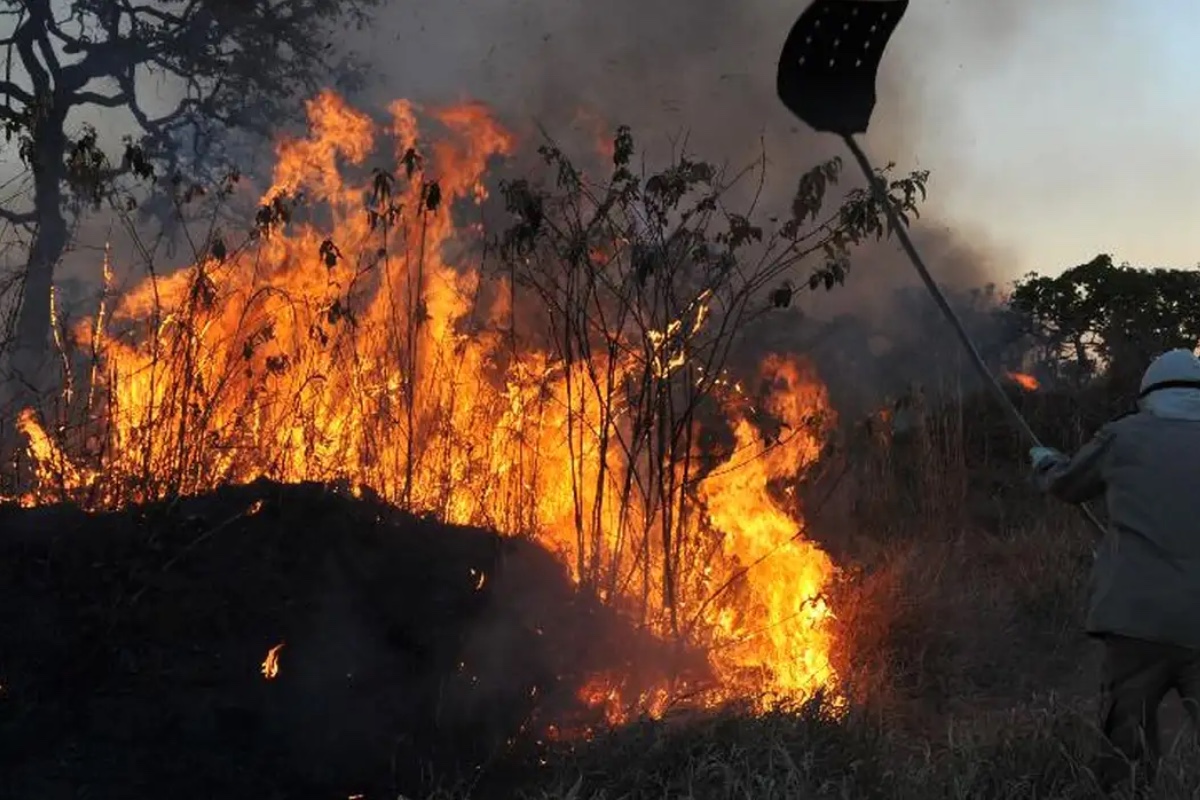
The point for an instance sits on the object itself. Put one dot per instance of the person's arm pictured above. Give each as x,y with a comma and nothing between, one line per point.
1079,478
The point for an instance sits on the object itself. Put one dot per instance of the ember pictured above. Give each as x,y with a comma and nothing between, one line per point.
270,665
364,348
1026,382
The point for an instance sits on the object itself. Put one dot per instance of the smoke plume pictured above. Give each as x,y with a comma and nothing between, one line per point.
699,75
704,74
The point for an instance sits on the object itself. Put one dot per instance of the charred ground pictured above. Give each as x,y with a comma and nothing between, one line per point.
131,644
131,647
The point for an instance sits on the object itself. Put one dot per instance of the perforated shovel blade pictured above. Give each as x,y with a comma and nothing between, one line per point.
829,62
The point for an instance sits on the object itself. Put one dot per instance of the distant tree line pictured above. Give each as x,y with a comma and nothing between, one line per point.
1103,322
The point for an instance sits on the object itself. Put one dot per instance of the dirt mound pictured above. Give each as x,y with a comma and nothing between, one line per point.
132,644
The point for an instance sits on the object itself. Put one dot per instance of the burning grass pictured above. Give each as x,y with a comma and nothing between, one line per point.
957,639
555,382
145,634
957,642
565,384
970,677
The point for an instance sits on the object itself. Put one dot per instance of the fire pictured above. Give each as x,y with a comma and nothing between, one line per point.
364,346
270,664
779,627
603,692
1026,382
597,130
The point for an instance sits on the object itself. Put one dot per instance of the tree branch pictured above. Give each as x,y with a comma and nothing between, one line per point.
10,89
104,60
15,218
110,175
47,50
71,44
118,100
116,56
37,74
40,19
165,17
149,125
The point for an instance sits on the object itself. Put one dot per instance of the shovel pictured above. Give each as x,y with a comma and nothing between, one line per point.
826,79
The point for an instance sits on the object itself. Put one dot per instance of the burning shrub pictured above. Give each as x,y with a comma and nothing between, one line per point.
560,390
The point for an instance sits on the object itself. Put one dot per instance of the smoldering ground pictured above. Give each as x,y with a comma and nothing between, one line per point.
405,645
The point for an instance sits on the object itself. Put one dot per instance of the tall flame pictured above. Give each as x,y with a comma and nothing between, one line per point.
784,610
345,346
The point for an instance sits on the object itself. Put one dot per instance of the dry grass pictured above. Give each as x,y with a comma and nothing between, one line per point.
959,615
962,648
1033,750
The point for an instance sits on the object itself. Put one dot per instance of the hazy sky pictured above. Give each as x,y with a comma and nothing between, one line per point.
1053,129
1080,137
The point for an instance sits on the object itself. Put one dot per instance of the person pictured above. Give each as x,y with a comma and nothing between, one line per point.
1144,600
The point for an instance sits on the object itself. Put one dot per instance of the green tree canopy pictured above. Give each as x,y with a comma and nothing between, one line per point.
1100,319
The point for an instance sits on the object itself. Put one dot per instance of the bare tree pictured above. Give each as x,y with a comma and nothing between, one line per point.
244,64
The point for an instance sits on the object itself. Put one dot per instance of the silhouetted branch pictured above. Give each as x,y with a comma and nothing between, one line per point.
17,218
104,101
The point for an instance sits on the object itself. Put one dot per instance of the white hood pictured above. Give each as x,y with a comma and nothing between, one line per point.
1174,402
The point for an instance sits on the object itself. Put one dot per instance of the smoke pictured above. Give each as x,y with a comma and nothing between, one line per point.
704,75
707,71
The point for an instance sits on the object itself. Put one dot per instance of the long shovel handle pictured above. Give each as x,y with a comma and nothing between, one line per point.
906,244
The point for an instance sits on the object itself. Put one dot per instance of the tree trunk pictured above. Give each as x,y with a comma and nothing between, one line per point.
29,379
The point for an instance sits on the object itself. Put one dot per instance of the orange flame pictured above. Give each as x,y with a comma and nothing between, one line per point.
1026,382
270,664
336,349
785,612
597,130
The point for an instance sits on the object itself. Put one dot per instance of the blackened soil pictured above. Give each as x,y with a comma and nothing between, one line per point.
412,653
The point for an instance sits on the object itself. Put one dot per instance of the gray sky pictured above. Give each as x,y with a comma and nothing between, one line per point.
1053,129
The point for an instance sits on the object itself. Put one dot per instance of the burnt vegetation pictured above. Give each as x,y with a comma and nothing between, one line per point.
171,545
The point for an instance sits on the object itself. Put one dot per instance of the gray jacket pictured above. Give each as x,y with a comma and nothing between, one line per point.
1146,578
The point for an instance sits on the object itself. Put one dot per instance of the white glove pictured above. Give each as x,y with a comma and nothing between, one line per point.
1043,457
